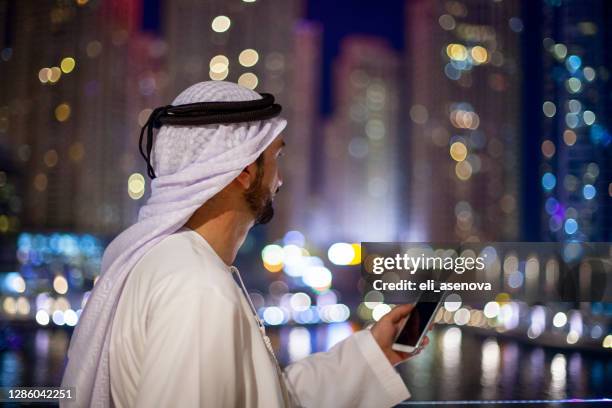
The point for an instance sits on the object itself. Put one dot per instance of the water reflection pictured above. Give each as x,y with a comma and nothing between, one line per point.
421,370
451,361
558,374
38,361
535,367
457,365
463,365
509,370
577,375
11,368
41,344
490,361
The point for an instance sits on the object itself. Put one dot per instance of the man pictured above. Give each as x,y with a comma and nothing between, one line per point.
167,324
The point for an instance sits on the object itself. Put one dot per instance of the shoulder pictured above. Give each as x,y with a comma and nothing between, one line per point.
178,264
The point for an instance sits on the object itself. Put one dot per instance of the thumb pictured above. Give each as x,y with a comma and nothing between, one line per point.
399,312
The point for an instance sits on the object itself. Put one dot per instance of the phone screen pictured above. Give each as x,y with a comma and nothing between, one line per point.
417,322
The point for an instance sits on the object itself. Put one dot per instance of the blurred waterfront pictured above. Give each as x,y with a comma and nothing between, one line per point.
458,364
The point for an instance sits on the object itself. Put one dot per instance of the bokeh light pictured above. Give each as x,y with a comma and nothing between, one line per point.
136,186
221,24
560,319
62,112
589,191
272,254
249,80
341,253
463,170
248,57
479,54
458,151
380,310
549,181
457,52
67,65
548,149
60,284
571,226
549,109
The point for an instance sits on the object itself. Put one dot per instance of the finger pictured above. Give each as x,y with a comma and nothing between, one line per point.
425,342
399,312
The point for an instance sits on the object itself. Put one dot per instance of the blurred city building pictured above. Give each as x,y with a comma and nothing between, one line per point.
463,78
361,157
298,206
576,142
80,74
10,207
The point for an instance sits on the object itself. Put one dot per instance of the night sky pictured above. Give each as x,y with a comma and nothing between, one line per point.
386,22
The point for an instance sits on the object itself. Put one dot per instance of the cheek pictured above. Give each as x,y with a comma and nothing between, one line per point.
270,176
273,172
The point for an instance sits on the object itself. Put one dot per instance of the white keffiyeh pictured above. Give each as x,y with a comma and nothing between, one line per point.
192,164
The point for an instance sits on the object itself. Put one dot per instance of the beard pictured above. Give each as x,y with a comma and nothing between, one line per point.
259,200
266,213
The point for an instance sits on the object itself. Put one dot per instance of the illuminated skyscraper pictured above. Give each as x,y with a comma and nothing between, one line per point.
11,201
39,108
360,143
576,147
113,181
296,207
73,110
463,115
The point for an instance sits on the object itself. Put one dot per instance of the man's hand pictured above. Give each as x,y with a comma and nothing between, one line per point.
385,330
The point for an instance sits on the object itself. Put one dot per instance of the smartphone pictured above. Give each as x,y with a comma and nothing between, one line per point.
415,327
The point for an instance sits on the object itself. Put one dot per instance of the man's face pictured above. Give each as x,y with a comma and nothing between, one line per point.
267,183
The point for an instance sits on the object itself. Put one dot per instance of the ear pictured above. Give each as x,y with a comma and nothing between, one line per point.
247,176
